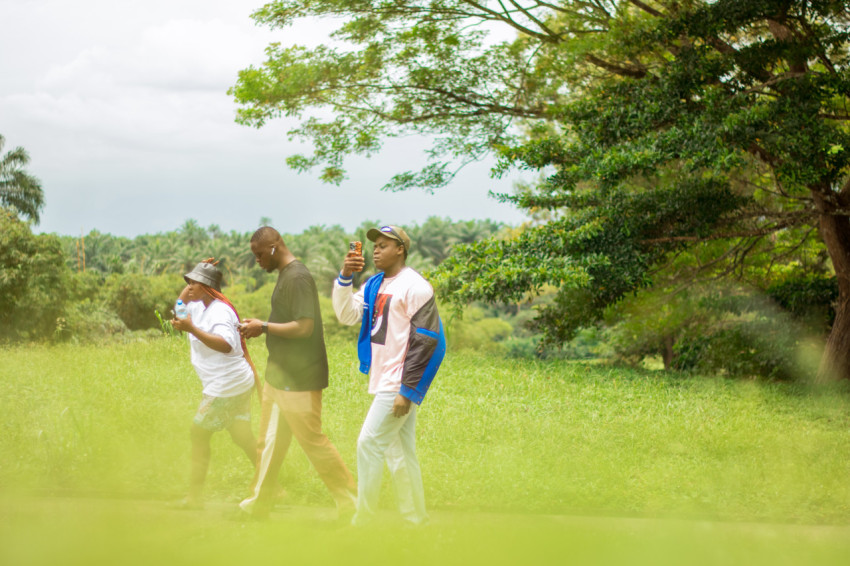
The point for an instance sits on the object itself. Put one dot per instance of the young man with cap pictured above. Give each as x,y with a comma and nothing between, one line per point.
296,374
227,374
401,345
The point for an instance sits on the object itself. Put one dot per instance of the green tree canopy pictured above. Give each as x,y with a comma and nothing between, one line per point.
19,191
660,125
33,278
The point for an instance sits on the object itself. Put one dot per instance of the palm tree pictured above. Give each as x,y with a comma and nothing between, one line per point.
19,190
431,239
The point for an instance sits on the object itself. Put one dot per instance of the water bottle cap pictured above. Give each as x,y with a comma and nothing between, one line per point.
179,301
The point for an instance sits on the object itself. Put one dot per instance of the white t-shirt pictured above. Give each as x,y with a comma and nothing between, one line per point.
399,299
222,375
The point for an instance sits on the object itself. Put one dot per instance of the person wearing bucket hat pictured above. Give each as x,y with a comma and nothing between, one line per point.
296,375
224,367
401,346
205,273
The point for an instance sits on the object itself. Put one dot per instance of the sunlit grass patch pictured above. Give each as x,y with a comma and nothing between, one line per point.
493,435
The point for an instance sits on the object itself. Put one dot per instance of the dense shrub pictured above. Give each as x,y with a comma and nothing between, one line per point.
809,298
333,328
476,331
135,298
763,347
251,303
89,321
33,278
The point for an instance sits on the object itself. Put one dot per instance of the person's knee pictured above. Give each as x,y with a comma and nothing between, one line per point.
368,444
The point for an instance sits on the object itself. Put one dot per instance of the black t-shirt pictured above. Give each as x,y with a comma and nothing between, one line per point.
297,364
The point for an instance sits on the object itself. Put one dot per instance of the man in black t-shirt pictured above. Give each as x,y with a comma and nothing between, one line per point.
296,374
296,364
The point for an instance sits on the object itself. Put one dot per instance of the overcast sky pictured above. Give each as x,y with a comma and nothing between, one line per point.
123,108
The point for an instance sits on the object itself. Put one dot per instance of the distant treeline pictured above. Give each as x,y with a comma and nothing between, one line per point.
321,248
103,287
99,286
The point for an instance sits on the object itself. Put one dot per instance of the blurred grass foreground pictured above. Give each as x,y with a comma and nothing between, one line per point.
524,461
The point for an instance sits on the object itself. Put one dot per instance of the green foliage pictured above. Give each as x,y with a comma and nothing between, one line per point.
166,326
660,126
809,298
475,331
250,304
136,299
732,331
593,258
20,192
89,322
399,44
319,247
652,321
32,281
758,348
666,154
335,332
120,284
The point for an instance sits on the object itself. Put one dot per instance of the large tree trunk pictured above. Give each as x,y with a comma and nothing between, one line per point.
835,231
668,352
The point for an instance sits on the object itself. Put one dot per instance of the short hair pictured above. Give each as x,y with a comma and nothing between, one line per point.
266,234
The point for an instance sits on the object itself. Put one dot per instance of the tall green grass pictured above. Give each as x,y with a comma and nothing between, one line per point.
493,435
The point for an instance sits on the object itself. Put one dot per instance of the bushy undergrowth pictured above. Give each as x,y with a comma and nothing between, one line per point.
108,287
493,434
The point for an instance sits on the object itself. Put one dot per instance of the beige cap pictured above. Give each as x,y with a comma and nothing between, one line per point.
390,231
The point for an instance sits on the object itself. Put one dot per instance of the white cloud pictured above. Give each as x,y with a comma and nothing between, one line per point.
176,56
123,108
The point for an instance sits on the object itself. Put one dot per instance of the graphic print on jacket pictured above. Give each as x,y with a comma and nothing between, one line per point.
381,318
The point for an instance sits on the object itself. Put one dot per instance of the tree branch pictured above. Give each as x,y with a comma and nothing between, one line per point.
775,80
531,17
511,22
646,8
633,72
745,234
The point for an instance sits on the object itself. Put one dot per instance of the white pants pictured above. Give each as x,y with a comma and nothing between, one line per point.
385,437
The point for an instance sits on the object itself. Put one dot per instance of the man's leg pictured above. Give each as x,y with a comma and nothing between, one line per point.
272,444
303,412
407,475
394,456
380,430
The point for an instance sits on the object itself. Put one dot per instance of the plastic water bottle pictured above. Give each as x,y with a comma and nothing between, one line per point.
180,310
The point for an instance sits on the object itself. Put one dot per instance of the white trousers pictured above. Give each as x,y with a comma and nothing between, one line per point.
385,437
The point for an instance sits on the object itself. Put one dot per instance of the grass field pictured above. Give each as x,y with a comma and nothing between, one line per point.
523,461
